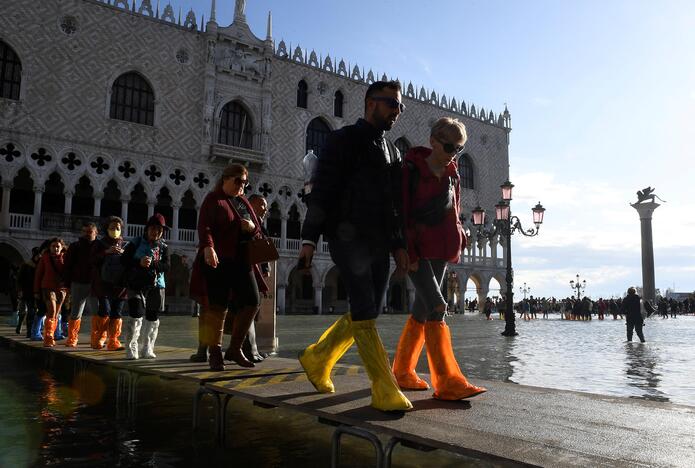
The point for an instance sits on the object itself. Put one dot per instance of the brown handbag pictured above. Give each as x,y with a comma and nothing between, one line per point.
261,250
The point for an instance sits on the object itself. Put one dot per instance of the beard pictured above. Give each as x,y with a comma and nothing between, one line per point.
385,122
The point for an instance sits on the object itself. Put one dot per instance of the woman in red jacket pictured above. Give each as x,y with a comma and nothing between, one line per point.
435,237
48,282
223,274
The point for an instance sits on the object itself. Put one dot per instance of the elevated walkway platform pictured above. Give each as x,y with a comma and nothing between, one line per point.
509,425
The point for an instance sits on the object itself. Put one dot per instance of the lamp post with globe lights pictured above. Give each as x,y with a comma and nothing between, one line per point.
525,290
506,225
578,286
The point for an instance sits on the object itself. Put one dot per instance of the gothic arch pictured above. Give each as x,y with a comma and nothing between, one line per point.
468,172
22,69
111,81
316,132
247,108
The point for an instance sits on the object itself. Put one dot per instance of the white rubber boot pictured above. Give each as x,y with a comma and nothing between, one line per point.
149,331
132,333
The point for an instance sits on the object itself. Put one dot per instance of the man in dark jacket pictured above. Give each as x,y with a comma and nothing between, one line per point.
79,272
633,314
355,203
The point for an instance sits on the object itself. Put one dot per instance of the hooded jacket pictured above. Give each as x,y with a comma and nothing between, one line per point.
49,273
441,241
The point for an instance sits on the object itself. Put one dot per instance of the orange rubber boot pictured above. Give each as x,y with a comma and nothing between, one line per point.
98,334
407,355
73,331
115,326
49,327
448,381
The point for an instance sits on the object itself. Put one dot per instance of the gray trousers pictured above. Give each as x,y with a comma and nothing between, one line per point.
81,295
428,281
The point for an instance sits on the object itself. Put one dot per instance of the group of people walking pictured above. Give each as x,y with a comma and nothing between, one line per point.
100,275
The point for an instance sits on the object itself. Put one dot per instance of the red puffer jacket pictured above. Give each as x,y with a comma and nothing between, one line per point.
49,273
442,241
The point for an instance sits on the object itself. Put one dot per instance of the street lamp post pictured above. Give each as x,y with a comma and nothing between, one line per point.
579,286
506,225
525,290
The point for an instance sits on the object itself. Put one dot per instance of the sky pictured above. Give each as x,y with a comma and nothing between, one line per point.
602,97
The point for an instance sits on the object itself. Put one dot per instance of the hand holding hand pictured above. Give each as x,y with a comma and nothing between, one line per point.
400,256
306,255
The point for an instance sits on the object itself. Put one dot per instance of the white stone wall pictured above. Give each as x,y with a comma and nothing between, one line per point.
65,97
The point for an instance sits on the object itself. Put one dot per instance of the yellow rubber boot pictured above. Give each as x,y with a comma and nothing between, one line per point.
319,358
386,395
407,355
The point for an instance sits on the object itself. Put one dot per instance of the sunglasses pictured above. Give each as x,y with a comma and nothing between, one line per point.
240,181
391,102
450,148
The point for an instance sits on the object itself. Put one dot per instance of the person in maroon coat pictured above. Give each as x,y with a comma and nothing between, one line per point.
431,200
49,285
222,273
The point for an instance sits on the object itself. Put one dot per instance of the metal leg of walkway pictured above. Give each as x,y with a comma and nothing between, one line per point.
360,434
388,450
127,389
220,411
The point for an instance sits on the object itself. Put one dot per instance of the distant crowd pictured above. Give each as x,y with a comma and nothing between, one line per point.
571,308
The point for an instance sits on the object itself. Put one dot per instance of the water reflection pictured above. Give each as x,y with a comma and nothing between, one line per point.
641,370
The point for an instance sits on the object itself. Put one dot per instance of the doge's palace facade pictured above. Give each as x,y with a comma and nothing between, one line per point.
125,108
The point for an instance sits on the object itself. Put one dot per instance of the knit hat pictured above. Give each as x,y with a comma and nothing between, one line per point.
157,220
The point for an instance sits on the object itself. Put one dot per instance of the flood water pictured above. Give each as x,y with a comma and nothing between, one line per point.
49,418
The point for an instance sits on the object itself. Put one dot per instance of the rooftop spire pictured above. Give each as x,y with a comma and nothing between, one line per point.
213,12
269,34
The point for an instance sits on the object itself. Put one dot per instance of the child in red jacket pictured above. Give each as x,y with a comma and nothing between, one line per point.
48,284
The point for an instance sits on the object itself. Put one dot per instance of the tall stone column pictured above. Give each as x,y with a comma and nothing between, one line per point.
175,222
318,299
5,213
68,201
124,209
150,208
280,298
283,232
36,218
482,295
645,211
98,196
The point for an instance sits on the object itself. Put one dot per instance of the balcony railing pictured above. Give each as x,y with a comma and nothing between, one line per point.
237,154
187,236
20,221
66,222
292,246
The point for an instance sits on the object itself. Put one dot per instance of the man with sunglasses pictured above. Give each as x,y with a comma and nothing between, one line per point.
355,203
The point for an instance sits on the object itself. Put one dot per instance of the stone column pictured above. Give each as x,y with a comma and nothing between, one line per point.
5,213
68,202
645,211
463,283
175,221
318,299
36,218
384,299
283,231
124,209
482,295
98,196
280,298
410,288
150,208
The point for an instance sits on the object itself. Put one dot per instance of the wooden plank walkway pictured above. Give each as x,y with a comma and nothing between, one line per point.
510,424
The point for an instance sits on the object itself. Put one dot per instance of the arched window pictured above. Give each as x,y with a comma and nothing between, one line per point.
466,172
338,104
302,94
316,134
402,145
10,73
236,128
132,99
